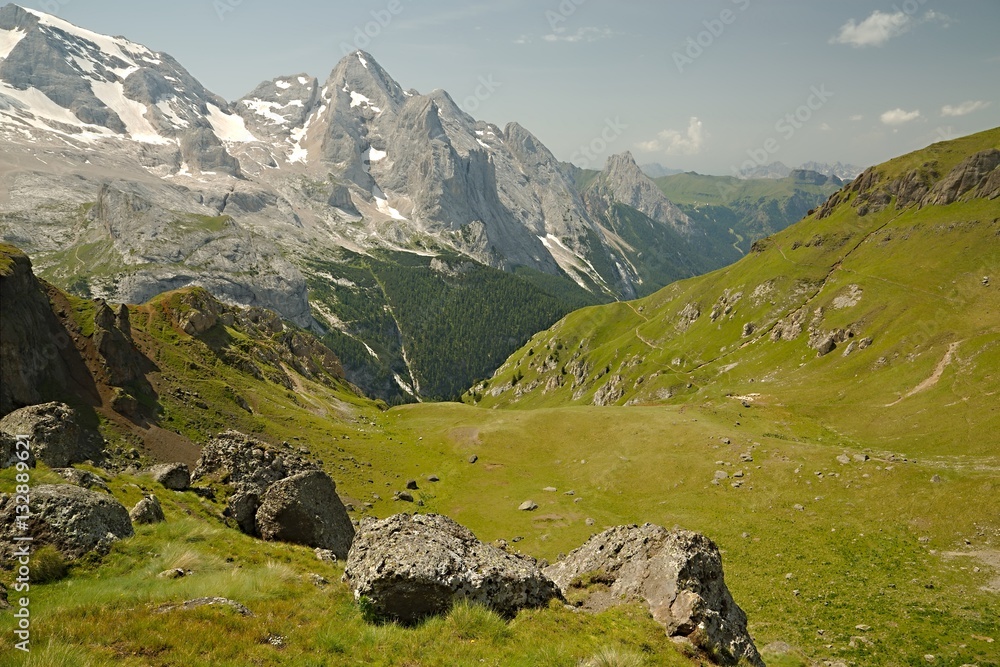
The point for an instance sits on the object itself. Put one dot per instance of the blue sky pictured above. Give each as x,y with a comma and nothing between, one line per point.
705,86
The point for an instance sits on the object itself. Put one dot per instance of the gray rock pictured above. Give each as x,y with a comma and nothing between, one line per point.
305,509
58,439
242,508
11,454
861,458
74,520
175,573
412,567
528,506
677,574
147,511
936,479
433,478
3,596
473,458
843,459
206,602
87,480
403,496
411,484
174,476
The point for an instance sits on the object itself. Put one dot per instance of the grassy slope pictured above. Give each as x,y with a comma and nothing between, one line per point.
868,546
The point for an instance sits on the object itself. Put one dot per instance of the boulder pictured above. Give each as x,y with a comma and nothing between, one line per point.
147,511
677,574
305,509
87,480
57,437
174,476
9,452
409,567
246,463
74,520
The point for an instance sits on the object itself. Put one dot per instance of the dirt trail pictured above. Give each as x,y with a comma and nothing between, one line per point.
935,376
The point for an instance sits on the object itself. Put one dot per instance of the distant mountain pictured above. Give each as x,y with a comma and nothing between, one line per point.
381,218
656,170
845,172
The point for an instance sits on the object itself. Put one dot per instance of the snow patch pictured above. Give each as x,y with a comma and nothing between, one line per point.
374,155
364,62
357,99
383,204
131,113
116,47
303,80
228,127
168,111
284,85
8,40
266,109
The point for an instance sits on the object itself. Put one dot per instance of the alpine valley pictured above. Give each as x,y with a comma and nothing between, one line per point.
227,328
423,245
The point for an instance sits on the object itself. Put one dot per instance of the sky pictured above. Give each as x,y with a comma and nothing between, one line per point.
710,86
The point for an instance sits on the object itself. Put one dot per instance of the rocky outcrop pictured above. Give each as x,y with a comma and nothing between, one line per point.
37,355
276,493
58,439
411,567
305,509
173,476
677,574
976,176
122,361
74,520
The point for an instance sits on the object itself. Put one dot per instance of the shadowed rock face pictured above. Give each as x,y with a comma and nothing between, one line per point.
37,355
74,520
305,509
678,574
412,567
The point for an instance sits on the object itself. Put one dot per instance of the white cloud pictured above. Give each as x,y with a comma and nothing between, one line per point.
856,117
965,108
881,26
825,127
673,142
899,116
581,35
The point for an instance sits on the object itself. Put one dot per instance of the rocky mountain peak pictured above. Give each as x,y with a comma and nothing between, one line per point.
364,83
624,182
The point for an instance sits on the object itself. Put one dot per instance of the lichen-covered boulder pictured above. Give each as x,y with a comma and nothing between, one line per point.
57,437
74,520
305,509
409,567
676,573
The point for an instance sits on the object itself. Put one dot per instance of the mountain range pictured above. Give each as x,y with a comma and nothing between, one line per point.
370,214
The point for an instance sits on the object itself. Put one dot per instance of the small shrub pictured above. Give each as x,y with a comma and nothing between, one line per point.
47,564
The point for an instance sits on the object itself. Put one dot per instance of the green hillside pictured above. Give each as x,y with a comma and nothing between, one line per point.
903,292
855,499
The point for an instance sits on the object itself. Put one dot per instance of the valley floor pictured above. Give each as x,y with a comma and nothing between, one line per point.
837,552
